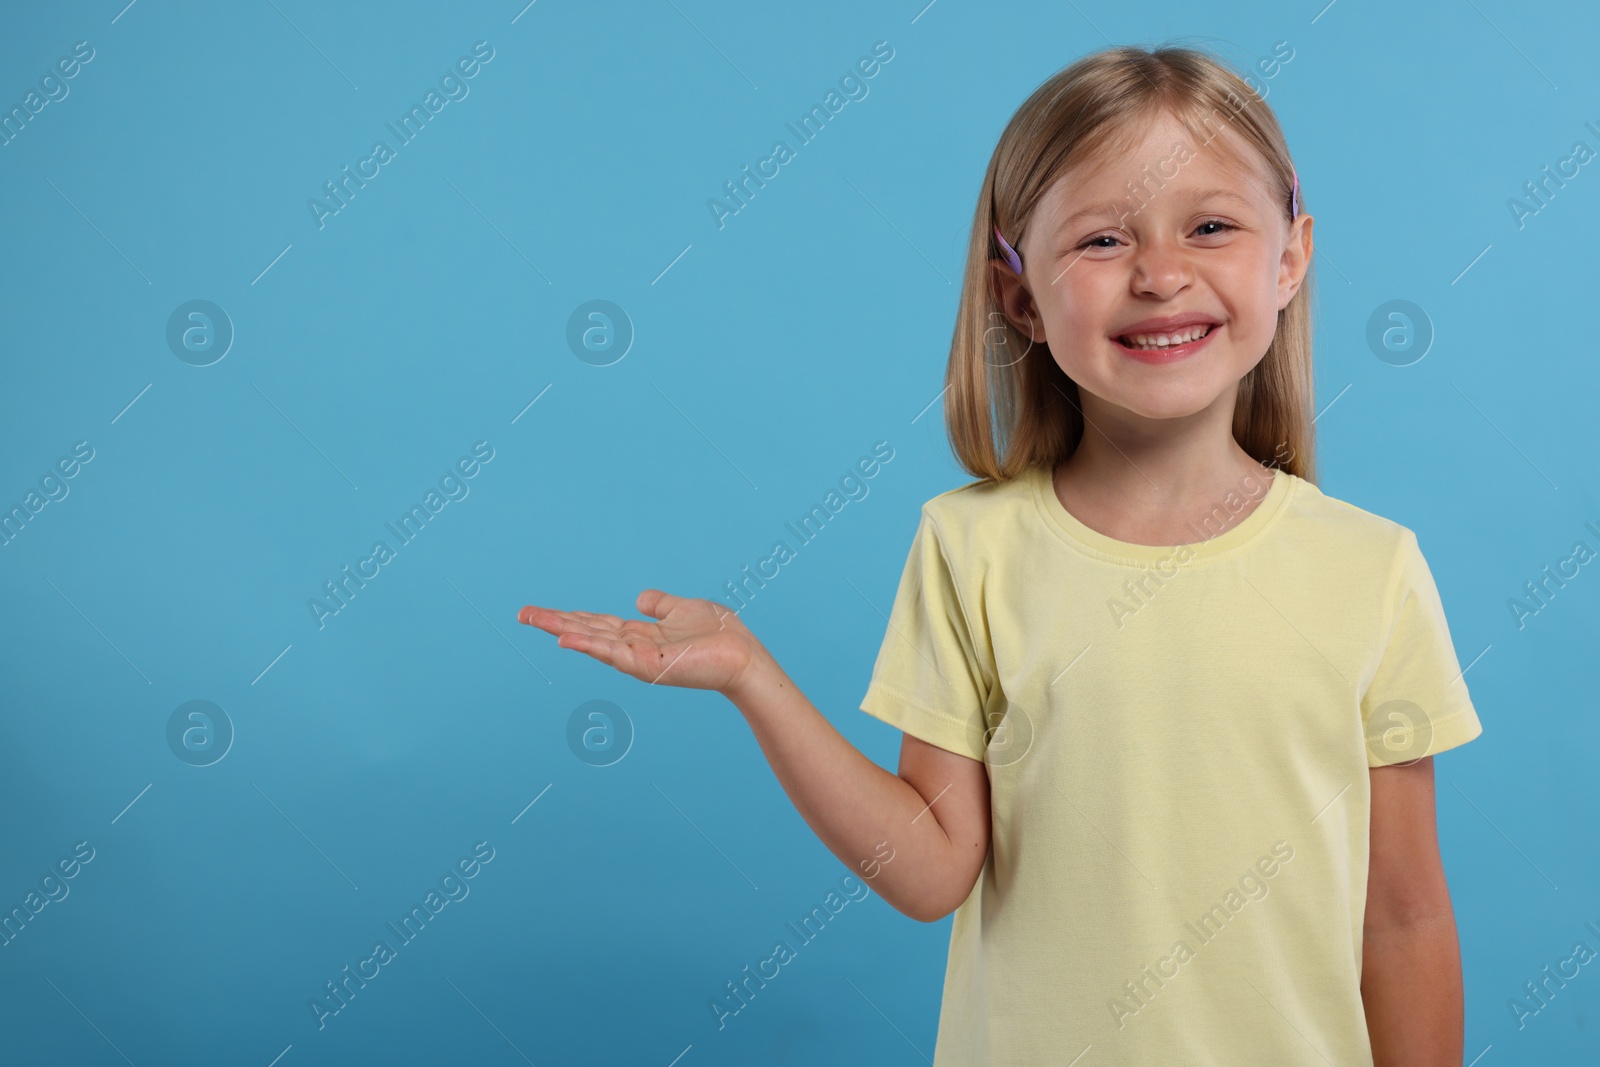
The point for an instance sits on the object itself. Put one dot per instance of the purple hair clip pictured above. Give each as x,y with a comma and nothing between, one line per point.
1294,196
1011,253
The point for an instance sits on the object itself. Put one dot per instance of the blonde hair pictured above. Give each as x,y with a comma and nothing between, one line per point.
1004,419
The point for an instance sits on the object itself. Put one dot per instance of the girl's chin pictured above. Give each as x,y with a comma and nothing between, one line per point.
1154,400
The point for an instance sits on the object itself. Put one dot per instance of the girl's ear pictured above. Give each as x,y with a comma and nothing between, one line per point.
1016,301
1296,260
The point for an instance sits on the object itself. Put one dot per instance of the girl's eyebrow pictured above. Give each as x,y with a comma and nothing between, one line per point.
1220,194
1105,207
1194,196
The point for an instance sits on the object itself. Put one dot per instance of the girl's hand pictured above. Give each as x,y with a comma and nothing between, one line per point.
696,644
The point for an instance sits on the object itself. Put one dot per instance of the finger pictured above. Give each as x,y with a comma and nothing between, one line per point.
545,618
602,622
527,615
557,622
611,651
588,643
656,604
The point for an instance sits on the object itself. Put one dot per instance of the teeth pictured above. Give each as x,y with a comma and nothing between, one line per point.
1166,340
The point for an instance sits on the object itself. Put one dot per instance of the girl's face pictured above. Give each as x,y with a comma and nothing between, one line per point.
1172,231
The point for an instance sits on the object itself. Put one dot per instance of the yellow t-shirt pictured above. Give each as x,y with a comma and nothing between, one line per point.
1178,743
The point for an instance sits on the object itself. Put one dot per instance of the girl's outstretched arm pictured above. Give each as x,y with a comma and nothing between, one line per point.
1410,956
920,838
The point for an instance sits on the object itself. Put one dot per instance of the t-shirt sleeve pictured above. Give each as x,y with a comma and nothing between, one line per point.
931,679
1417,704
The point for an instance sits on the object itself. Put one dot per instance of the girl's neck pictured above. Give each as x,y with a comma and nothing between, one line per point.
1157,495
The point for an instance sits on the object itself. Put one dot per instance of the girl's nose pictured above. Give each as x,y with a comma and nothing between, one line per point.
1160,269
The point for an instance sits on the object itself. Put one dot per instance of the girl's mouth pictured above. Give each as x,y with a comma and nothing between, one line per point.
1165,348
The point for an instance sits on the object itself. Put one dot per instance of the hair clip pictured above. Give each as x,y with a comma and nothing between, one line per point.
1294,196
1011,253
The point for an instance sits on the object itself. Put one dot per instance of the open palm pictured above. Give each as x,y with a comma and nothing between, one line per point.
694,643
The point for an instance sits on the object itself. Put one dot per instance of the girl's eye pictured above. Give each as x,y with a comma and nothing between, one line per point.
1093,242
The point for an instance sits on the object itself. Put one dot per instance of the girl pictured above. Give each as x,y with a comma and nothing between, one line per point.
1168,710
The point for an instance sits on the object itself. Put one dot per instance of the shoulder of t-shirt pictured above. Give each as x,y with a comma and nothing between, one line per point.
1327,521
966,514
1363,541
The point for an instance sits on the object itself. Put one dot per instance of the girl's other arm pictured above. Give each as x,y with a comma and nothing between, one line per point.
919,838
1410,957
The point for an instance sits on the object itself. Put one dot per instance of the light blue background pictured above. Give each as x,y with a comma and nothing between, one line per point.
774,352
